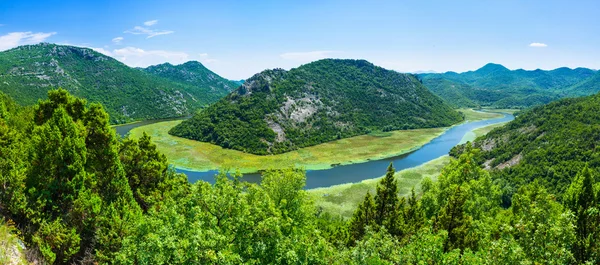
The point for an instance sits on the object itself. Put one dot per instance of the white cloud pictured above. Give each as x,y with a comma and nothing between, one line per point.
137,57
306,56
203,55
538,45
151,22
102,50
137,30
15,39
117,40
207,61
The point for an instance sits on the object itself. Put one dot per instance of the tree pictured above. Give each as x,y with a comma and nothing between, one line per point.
453,219
541,227
581,199
386,202
364,216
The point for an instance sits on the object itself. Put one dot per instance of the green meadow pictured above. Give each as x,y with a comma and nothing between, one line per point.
201,156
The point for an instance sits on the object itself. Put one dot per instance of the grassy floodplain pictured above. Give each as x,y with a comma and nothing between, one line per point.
200,156
344,198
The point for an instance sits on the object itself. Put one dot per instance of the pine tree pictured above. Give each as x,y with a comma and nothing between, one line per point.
453,219
414,216
363,216
583,202
386,199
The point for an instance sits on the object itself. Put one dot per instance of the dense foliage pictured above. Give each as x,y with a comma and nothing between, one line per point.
28,72
496,86
277,111
78,194
71,187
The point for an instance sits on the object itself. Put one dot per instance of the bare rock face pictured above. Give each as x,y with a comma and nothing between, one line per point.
513,161
260,82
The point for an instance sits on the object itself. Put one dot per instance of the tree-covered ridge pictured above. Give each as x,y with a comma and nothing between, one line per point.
28,72
549,143
496,86
276,111
195,74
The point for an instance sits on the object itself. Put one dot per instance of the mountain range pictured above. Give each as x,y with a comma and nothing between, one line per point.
496,86
128,94
277,111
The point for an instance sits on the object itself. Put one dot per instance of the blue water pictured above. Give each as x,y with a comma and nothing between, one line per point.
438,147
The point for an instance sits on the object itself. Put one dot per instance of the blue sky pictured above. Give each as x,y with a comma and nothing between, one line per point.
239,38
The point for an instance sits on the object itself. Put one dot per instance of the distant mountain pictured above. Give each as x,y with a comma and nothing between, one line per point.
276,111
587,86
239,82
28,72
195,74
549,143
497,86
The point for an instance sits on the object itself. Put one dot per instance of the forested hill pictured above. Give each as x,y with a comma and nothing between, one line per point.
28,72
549,143
495,85
276,111
195,74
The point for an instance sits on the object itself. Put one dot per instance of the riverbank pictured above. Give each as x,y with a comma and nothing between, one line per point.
344,198
199,156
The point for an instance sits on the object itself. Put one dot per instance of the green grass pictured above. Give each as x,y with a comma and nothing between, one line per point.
342,199
201,156
474,115
509,111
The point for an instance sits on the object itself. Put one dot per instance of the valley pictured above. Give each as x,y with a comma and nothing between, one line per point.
299,132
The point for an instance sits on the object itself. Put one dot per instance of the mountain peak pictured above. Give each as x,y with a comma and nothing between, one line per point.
492,67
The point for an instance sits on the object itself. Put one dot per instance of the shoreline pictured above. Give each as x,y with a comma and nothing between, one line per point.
201,157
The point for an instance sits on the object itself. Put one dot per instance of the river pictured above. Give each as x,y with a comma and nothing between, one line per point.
438,147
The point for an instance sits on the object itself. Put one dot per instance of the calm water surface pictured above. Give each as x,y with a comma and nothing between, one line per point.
357,172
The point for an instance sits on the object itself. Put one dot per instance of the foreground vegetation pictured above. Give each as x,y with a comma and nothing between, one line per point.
277,111
78,194
200,156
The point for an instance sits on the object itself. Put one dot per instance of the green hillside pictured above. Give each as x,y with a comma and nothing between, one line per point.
28,72
195,74
276,111
496,86
549,143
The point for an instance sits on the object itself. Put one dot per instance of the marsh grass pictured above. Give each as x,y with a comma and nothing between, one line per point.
200,156
342,199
